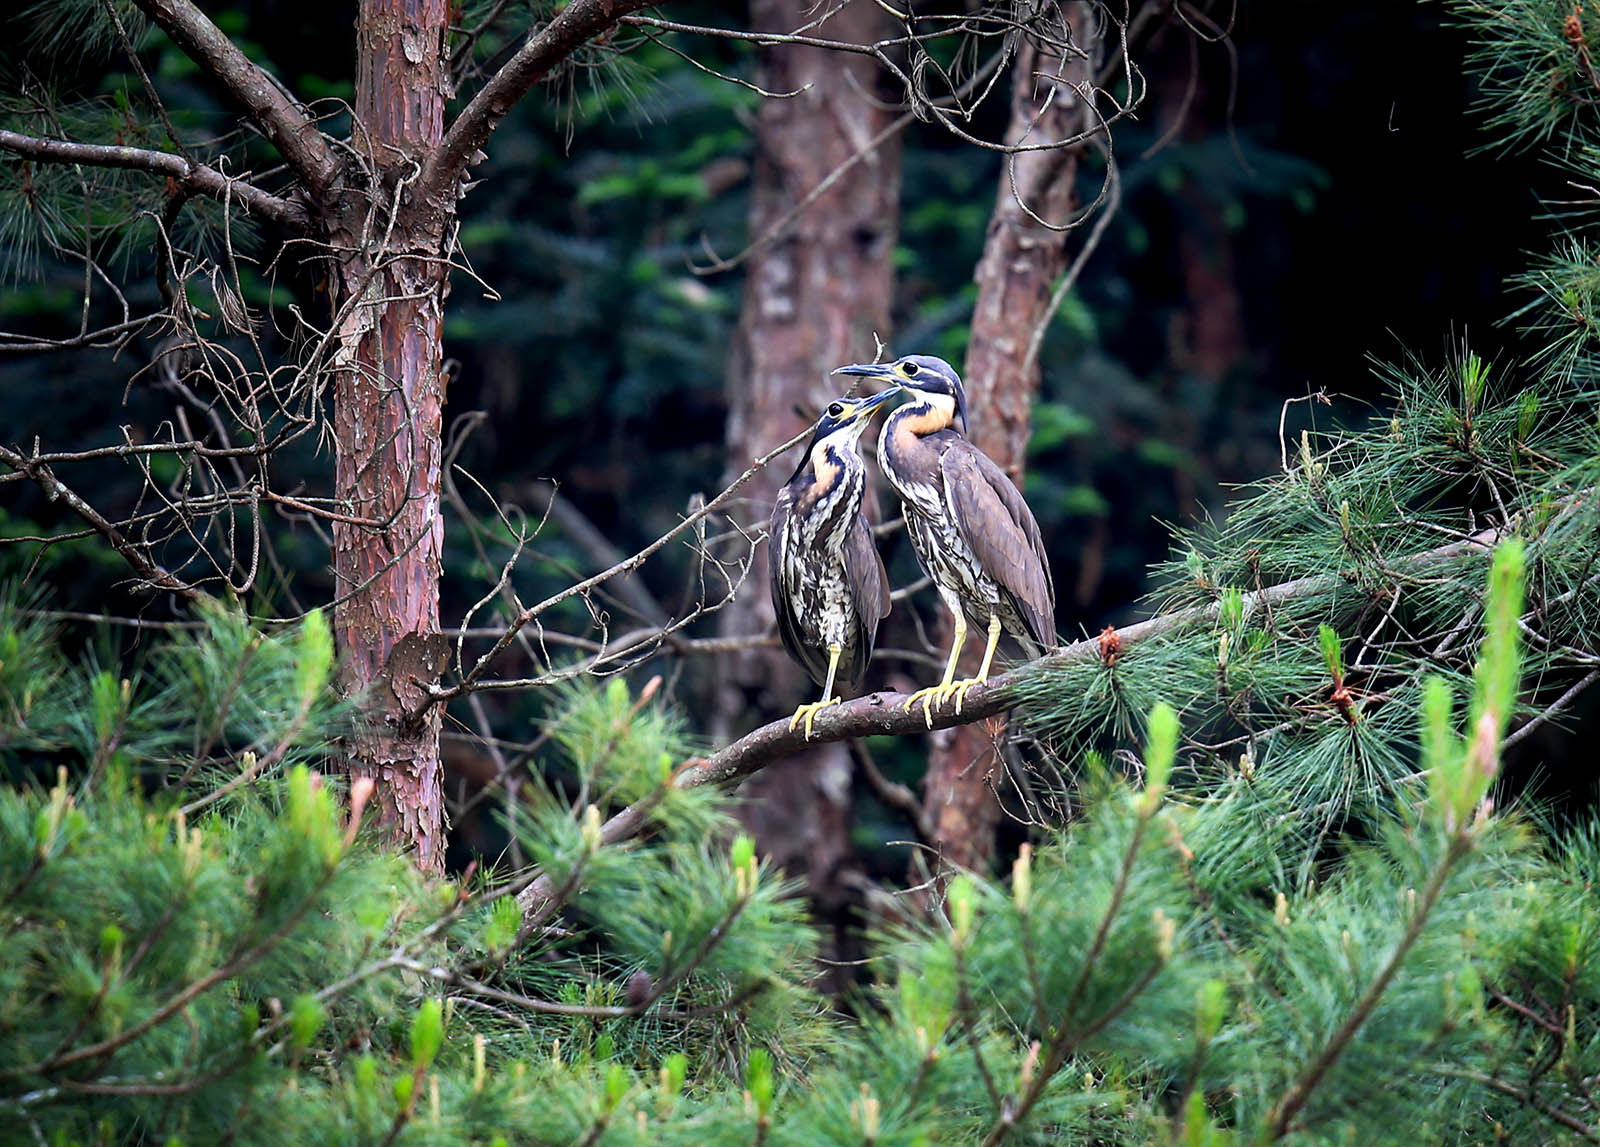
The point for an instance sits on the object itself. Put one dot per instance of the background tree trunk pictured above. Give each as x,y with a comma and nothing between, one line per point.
388,405
1021,262
813,300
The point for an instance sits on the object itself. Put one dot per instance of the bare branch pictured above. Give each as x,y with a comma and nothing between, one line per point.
587,537
194,177
575,25
881,714
470,678
270,108
762,38
53,487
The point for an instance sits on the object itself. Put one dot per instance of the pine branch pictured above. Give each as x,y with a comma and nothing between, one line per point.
1280,1121
195,177
1067,1034
291,131
179,1000
1524,1095
575,25
880,714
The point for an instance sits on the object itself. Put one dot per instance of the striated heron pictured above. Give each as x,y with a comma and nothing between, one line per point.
973,533
829,588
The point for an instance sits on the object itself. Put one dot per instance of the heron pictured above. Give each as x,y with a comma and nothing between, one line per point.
970,527
829,588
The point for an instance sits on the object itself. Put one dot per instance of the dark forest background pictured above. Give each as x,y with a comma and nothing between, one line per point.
1306,195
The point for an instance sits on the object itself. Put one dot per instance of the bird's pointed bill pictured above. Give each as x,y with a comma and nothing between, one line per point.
865,406
878,370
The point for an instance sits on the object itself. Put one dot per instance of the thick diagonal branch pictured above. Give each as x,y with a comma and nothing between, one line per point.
192,176
886,713
291,131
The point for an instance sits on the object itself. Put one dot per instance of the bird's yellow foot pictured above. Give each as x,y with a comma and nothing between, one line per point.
959,690
931,696
807,713
939,694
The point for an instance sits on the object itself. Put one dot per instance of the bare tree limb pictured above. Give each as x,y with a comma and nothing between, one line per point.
192,176
53,487
291,131
575,25
588,538
886,714
470,678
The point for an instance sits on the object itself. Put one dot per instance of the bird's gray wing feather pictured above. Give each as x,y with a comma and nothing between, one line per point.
997,524
814,660
869,586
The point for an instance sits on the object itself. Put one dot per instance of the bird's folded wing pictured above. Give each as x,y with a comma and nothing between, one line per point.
997,524
814,660
869,586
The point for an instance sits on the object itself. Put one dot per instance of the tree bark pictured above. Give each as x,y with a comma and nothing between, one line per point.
380,212
388,416
813,300
1022,259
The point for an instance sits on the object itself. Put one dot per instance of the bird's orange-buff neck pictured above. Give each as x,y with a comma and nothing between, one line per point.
929,414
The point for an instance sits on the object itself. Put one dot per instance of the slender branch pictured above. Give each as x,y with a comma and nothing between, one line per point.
1495,1083
470,677
1552,709
1067,1033
886,713
192,176
575,25
270,108
1281,1119
181,999
588,538
154,576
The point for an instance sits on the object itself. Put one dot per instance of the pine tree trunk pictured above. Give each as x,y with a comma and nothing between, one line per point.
813,300
388,403
1021,262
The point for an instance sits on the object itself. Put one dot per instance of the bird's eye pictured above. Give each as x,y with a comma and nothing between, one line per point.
836,409
909,370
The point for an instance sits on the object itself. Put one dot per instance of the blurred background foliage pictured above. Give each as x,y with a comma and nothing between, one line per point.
1299,196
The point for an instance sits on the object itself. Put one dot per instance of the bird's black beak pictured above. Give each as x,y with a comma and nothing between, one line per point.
877,370
871,402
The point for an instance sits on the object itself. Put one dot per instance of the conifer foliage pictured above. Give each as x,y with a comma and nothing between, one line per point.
1288,903
240,966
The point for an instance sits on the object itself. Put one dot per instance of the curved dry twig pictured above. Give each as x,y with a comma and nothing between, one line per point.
194,176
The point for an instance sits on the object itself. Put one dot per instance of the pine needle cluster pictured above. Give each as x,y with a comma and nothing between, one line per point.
249,969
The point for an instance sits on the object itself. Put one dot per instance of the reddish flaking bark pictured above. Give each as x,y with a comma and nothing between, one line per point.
388,413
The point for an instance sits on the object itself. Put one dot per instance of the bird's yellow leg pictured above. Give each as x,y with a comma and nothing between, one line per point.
807,713
960,687
942,690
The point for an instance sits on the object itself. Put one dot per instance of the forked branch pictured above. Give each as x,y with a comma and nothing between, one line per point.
280,119
195,177
575,25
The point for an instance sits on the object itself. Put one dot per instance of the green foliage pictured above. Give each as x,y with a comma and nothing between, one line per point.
1535,60
1154,971
1313,697
1306,920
